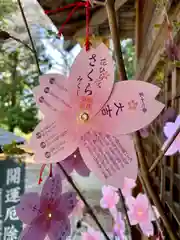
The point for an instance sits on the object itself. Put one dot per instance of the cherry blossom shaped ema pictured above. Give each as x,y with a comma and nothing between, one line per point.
169,130
89,111
46,214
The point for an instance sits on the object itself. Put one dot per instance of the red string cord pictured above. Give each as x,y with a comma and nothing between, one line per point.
67,19
76,6
41,172
87,42
48,12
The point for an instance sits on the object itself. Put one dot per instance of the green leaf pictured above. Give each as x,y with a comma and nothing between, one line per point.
157,25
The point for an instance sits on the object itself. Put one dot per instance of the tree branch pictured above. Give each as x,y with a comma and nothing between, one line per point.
115,37
23,43
161,155
90,211
30,37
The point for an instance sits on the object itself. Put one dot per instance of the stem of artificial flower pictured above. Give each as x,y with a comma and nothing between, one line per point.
90,211
125,213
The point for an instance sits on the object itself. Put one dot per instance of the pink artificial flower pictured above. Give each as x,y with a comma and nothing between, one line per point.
73,162
140,212
91,235
169,130
110,197
129,184
119,227
46,214
91,112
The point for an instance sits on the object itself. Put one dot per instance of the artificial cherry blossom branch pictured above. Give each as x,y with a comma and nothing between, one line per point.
161,155
90,211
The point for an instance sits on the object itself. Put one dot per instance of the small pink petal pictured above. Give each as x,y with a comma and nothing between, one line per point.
110,197
28,208
142,200
52,189
103,203
119,226
132,218
177,122
91,235
130,201
78,210
169,129
129,184
147,228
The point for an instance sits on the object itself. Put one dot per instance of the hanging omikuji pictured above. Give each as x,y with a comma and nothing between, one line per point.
88,110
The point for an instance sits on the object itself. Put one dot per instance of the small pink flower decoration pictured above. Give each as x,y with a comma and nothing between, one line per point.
119,227
91,235
140,212
110,197
46,214
129,184
89,111
73,162
169,129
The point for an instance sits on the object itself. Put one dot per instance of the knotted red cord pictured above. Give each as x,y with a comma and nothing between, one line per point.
76,6
87,42
41,172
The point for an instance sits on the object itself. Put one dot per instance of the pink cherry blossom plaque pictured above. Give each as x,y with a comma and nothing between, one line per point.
89,111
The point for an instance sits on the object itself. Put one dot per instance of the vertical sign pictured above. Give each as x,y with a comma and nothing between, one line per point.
12,182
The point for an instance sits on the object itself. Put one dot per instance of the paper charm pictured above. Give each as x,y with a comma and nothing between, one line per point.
119,226
91,112
140,212
73,162
46,214
169,130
